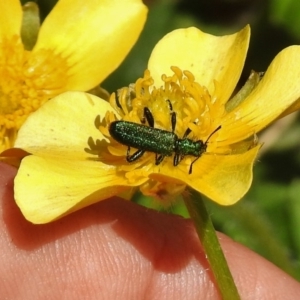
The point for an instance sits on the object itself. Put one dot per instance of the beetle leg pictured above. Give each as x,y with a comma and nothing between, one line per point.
191,166
173,121
148,116
136,155
187,132
170,104
173,116
158,159
177,159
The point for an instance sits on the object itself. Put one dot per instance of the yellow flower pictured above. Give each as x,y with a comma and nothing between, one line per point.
79,44
75,162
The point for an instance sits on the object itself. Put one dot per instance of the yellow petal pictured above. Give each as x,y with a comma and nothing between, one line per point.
295,106
11,18
94,36
63,125
277,91
48,188
223,178
208,57
226,179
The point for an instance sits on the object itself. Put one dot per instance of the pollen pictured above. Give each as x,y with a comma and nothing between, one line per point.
27,80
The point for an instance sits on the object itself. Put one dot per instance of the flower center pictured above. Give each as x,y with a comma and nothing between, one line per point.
181,108
27,80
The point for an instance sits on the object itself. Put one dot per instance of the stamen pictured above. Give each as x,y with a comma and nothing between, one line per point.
190,101
27,80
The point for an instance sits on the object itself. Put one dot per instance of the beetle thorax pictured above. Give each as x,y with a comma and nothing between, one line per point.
189,147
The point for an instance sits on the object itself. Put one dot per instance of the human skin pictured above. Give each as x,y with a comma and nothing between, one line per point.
118,250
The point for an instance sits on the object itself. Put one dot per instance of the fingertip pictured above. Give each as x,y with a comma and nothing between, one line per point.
256,277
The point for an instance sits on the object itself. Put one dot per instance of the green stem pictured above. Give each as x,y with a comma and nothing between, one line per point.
210,243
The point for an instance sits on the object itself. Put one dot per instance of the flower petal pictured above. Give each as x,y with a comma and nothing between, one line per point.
223,178
63,125
226,179
208,57
295,106
277,91
11,18
48,188
94,36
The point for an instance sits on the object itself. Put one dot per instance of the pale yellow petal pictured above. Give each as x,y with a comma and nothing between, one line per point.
48,188
294,107
11,18
94,36
224,179
208,57
63,125
277,91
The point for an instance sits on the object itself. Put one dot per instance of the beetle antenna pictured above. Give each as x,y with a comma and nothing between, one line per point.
218,128
204,146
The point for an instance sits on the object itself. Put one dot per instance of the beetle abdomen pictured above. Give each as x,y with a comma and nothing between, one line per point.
143,137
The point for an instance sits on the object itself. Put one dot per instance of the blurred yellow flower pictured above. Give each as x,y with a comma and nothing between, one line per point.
75,162
78,45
